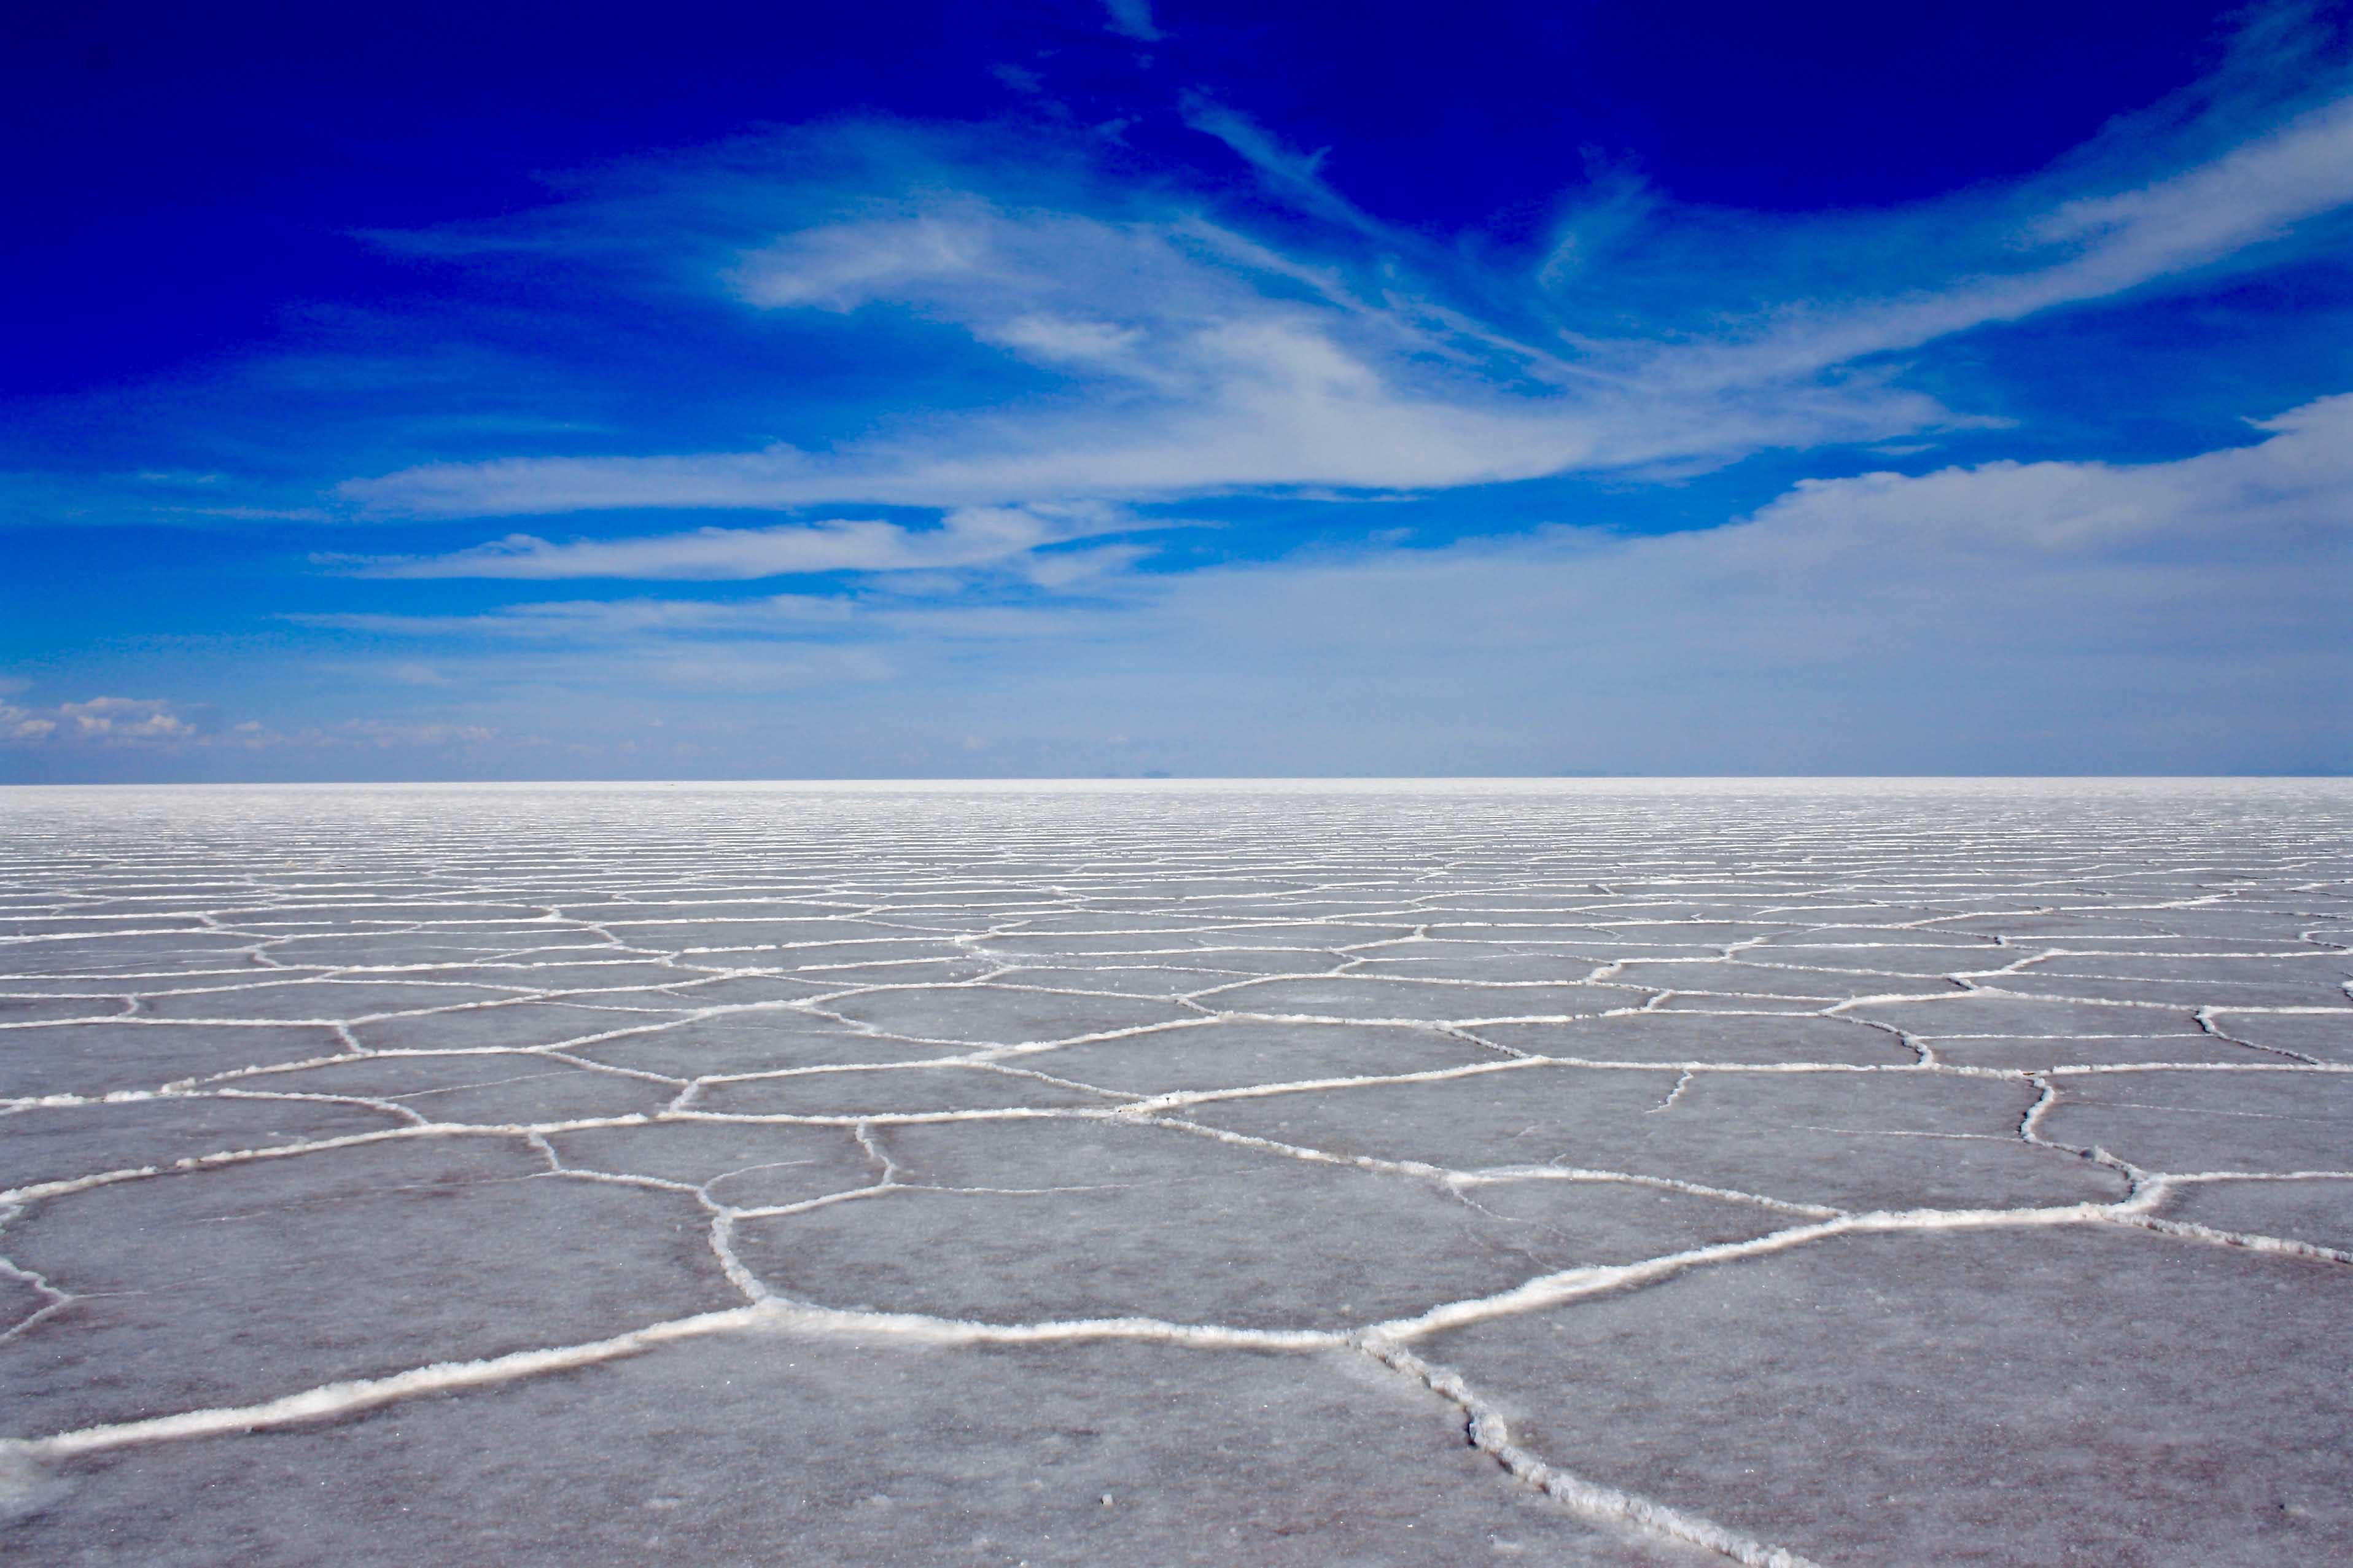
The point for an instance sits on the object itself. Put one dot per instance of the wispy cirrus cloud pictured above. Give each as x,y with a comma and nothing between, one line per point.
596,620
1292,176
967,537
2081,249
1184,352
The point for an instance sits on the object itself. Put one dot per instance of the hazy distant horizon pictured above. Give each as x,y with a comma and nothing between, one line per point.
1334,782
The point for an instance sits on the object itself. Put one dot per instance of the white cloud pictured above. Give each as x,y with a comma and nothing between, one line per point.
842,266
969,536
1295,177
125,718
136,725
2181,616
1272,400
1132,19
1200,359
2084,249
1063,339
584,620
687,673
1081,568
98,720
2175,616
2219,504
387,734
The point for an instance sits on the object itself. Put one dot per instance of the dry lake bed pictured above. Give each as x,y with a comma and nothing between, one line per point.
1556,1173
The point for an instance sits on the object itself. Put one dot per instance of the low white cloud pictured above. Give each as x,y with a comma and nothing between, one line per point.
126,727
2168,616
583,620
96,720
2217,505
678,673
2184,615
2068,615
387,734
969,536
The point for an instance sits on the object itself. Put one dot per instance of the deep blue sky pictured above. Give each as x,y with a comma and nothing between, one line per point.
740,391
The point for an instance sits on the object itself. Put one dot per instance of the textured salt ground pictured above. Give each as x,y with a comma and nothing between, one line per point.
1165,1226
1962,1397
2009,1014
1000,1016
1848,1140
261,1280
914,1089
2270,1119
499,1024
1164,983
25,1009
58,1143
1953,1173
2321,1034
761,1039
750,1165
496,1089
106,1056
313,1001
2318,1211
1351,997
2041,1053
1247,1052
1657,1038
874,1454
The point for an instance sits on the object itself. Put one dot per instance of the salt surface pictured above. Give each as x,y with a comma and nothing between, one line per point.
1385,1172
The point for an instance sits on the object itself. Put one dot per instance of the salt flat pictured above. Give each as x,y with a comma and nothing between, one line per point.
1387,1172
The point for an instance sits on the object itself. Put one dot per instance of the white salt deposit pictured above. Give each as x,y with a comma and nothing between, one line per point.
1380,1172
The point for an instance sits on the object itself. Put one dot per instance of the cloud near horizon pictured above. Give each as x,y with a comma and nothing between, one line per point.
2030,597
2016,608
132,726
101,720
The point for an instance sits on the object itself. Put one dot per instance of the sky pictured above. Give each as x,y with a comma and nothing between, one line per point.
1137,387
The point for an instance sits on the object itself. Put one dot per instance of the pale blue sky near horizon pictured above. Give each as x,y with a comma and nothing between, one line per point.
1132,388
